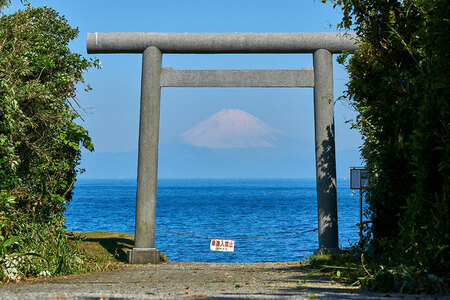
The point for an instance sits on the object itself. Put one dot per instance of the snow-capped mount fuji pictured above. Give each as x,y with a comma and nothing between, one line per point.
229,144
232,128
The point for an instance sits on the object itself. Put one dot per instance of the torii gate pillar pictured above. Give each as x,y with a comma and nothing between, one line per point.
144,250
325,150
152,45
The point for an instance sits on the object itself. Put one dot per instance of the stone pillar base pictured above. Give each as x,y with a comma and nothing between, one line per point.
143,256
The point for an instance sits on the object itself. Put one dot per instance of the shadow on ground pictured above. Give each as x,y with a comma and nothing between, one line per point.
312,284
104,246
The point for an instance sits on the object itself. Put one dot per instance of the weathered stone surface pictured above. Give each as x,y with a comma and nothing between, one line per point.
325,149
148,149
178,280
143,256
245,42
237,78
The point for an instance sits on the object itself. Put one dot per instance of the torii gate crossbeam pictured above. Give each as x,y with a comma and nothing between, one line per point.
153,45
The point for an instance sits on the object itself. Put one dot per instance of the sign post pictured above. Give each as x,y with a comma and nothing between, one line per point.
359,180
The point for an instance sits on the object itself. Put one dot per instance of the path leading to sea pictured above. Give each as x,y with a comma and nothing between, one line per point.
178,280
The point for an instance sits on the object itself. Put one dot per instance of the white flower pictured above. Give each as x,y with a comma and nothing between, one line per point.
11,273
44,273
14,164
13,261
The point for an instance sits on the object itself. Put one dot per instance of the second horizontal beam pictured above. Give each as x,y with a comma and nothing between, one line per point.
237,78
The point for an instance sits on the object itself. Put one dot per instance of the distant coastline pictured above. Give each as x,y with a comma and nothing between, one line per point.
186,161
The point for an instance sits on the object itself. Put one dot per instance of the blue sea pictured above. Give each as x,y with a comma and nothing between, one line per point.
222,208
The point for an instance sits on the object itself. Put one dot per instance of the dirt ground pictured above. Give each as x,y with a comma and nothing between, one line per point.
175,280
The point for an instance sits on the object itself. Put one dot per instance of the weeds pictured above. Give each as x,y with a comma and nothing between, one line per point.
376,273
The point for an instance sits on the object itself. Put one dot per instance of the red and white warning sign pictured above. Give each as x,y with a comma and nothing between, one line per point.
222,245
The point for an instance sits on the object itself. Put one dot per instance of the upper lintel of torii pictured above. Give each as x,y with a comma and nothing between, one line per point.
238,42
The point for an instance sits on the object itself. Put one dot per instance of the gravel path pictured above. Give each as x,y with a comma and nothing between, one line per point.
177,280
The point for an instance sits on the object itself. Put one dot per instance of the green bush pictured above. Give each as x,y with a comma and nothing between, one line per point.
39,140
399,85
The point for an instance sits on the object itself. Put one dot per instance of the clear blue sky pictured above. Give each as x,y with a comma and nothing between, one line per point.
113,105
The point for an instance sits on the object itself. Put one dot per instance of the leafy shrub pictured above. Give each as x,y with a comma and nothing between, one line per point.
39,140
399,87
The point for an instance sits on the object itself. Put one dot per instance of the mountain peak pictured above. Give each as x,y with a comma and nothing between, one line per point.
232,128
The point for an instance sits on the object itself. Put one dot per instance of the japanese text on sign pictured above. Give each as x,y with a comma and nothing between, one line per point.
222,245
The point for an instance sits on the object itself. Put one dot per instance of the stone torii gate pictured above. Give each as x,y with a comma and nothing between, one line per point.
320,77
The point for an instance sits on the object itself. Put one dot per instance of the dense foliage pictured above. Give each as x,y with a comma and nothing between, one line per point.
39,140
399,85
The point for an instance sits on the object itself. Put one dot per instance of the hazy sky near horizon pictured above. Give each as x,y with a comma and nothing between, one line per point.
112,107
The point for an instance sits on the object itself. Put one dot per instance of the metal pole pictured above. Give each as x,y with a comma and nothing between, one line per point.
325,150
145,251
360,215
